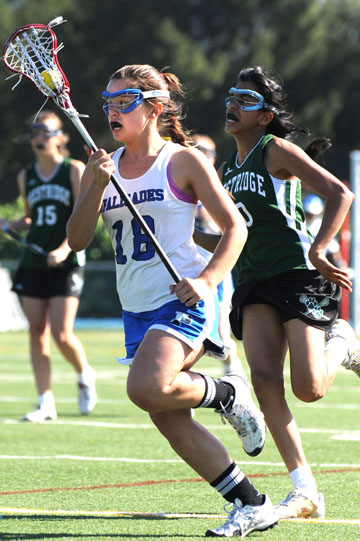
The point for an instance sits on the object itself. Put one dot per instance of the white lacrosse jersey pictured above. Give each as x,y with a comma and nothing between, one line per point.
142,279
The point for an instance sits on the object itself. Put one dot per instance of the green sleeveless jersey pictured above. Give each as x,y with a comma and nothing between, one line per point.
278,240
51,203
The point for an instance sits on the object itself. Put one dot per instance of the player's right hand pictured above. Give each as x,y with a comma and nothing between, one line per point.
102,166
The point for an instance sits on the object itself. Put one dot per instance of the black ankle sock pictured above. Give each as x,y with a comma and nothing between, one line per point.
218,394
232,484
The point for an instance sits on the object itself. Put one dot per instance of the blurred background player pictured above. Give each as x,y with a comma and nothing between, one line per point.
314,208
222,329
50,288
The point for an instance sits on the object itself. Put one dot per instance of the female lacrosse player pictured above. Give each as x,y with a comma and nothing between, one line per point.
232,363
288,292
165,323
50,288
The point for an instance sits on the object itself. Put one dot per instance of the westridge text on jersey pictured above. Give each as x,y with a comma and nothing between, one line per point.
246,181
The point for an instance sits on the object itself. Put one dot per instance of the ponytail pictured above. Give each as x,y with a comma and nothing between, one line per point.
146,77
317,147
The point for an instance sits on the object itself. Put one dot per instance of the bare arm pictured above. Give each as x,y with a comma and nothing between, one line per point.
193,173
76,172
82,223
208,241
59,255
285,160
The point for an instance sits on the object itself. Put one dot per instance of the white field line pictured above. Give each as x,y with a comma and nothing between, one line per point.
16,399
59,400
160,461
108,376
115,378
119,375
89,459
102,373
327,406
336,434
136,426
24,511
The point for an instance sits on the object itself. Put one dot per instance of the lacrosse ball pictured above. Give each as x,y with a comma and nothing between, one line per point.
49,76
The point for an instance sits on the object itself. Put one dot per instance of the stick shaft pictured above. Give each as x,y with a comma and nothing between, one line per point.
130,205
30,245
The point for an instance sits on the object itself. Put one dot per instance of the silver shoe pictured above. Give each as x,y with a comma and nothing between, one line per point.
244,416
344,330
297,505
243,520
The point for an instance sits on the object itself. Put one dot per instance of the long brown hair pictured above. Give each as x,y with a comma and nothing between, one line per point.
146,77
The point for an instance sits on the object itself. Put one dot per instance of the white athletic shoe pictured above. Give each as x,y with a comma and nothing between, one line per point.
344,330
244,416
87,396
320,511
297,505
243,520
43,412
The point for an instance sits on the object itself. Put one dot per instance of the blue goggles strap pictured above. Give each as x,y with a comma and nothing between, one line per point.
260,104
138,94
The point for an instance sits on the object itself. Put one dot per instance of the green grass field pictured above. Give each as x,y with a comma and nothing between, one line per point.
112,476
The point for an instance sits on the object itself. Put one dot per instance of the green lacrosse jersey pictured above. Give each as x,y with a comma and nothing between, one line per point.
278,240
51,203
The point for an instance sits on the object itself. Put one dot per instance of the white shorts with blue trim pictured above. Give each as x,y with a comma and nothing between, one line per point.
190,324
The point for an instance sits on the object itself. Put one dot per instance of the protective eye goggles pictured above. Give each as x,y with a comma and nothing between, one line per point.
42,130
129,98
239,96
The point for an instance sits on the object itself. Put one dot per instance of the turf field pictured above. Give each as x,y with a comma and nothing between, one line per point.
112,476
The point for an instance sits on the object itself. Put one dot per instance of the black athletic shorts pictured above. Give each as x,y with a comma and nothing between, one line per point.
47,283
297,294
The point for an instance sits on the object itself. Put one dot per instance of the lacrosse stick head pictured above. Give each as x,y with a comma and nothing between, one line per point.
32,51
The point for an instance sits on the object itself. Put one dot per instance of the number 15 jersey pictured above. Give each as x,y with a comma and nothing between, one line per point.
51,203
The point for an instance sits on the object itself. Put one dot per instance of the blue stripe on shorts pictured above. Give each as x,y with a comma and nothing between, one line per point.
191,324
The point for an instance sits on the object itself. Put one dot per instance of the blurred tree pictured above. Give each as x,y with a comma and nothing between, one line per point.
313,45
10,249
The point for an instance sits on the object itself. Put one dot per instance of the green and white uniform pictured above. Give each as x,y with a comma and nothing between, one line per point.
278,240
51,202
274,266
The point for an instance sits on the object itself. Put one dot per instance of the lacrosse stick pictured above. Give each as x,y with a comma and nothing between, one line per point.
30,245
32,51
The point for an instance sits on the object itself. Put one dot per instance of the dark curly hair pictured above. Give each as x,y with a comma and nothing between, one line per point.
282,124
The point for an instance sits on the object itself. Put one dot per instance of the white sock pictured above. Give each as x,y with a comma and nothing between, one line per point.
86,374
339,347
46,399
303,479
